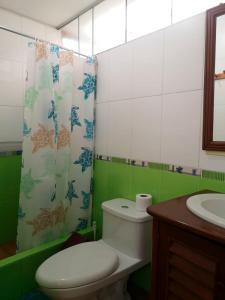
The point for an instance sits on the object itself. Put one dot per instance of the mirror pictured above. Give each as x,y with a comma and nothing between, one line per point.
219,82
214,93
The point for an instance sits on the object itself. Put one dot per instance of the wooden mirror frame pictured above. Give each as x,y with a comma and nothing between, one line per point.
208,111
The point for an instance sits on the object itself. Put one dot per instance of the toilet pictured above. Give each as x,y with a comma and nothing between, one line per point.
99,270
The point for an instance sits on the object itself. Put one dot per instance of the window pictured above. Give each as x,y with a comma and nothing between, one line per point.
183,9
113,22
109,24
70,36
145,16
85,33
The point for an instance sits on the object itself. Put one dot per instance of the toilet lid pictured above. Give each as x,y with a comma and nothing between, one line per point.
77,266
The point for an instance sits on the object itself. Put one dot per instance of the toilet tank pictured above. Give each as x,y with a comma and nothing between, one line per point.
127,229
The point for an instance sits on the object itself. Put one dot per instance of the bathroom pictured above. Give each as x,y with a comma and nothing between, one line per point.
92,111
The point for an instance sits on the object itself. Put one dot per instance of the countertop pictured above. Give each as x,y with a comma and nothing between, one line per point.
175,212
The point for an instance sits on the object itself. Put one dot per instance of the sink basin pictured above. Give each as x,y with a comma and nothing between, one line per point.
210,207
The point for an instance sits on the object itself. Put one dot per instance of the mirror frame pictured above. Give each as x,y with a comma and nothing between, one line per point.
208,110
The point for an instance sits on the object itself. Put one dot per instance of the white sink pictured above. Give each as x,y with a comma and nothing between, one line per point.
210,207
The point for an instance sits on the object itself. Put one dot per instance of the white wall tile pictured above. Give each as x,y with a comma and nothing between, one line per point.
11,46
146,128
184,55
53,35
12,71
33,28
119,137
11,123
130,74
11,83
29,27
181,127
103,77
148,65
121,72
102,128
211,161
11,146
10,20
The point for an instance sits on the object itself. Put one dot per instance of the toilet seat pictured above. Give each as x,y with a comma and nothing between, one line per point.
77,266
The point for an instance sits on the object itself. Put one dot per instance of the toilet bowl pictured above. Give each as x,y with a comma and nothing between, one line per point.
99,270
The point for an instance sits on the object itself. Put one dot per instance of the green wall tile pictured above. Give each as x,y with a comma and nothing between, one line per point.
142,277
115,179
119,160
101,192
146,180
210,184
8,221
17,273
10,167
175,185
119,180
111,180
10,278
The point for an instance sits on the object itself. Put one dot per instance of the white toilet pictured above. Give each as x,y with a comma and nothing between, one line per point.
100,270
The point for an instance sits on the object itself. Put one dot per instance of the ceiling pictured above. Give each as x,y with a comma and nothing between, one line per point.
51,12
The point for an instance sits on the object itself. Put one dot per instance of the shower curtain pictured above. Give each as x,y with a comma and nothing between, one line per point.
55,190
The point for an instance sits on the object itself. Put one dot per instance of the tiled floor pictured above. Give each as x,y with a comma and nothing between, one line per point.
34,295
8,249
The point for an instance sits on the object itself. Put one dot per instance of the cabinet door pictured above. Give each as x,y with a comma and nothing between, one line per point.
220,290
188,267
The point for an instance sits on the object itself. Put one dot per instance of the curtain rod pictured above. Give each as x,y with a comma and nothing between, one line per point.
41,40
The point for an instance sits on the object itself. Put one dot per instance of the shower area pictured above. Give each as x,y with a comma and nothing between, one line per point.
46,147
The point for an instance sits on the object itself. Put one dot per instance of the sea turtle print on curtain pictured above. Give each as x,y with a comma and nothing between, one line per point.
55,195
74,118
89,85
85,158
89,129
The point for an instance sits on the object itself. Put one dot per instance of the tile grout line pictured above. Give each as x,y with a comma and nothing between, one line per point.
150,96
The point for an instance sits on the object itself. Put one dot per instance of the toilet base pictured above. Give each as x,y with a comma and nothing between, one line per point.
86,297
116,291
112,287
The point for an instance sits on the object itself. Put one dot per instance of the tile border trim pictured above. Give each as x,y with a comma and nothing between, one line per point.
10,153
213,175
206,174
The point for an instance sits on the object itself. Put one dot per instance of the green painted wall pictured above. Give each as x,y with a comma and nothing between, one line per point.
10,167
113,179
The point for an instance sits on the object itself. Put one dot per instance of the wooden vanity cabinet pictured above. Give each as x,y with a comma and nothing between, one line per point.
188,261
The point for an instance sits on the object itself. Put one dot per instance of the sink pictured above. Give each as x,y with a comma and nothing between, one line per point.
210,207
